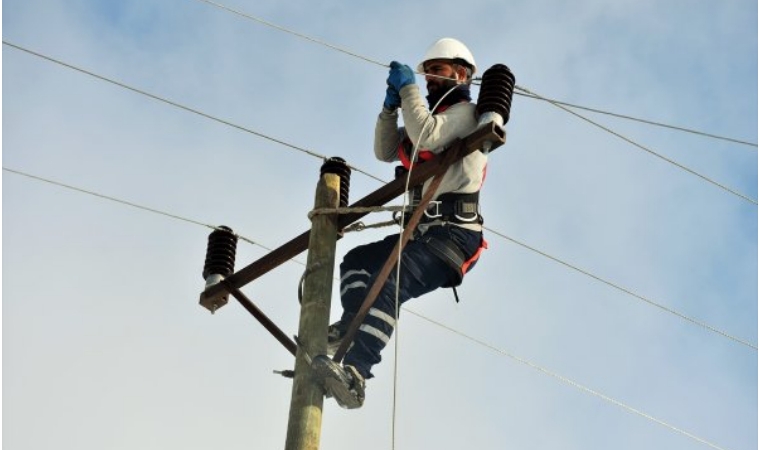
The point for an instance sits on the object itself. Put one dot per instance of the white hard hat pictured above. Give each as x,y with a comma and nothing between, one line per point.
448,48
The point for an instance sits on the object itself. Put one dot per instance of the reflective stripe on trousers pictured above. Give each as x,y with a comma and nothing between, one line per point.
421,272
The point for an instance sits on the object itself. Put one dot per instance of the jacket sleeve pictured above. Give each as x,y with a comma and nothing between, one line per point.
387,136
434,132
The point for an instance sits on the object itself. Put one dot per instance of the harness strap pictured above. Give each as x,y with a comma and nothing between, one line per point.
454,208
475,256
451,254
405,147
404,150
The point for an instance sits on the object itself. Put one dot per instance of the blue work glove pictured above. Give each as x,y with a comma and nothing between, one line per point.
392,98
400,75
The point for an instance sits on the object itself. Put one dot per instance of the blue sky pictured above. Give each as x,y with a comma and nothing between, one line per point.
105,346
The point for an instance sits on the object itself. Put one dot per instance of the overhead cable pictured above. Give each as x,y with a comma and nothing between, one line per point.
527,94
125,202
523,361
637,119
445,327
628,291
501,235
294,33
323,157
570,382
531,94
646,149
178,105
317,155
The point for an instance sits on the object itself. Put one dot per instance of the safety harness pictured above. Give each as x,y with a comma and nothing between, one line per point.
448,208
449,252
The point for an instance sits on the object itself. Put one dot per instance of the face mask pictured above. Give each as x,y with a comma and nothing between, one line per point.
461,93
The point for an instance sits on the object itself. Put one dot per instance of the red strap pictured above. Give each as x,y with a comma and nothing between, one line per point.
402,156
474,257
424,155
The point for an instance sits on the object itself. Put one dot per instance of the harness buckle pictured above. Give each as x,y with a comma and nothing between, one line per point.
473,218
437,214
471,209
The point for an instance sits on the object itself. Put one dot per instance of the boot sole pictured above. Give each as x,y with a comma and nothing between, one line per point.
336,383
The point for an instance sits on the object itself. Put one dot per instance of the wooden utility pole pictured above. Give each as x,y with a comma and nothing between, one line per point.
305,421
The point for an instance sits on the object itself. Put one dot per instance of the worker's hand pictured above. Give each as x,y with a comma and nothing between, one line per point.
392,98
400,75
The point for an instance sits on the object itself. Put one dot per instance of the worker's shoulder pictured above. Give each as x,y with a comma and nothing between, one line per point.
461,109
463,114
462,106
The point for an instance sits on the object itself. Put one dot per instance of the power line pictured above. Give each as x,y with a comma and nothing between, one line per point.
323,157
646,149
125,202
178,105
628,291
501,235
570,382
637,119
531,94
527,94
317,155
294,33
445,327
561,378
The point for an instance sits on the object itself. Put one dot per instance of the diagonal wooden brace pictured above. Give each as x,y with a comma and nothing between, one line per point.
390,263
213,297
259,315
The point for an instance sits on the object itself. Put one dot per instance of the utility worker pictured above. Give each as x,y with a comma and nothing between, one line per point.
448,239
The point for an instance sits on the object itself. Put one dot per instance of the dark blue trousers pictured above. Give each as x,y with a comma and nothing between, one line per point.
421,272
